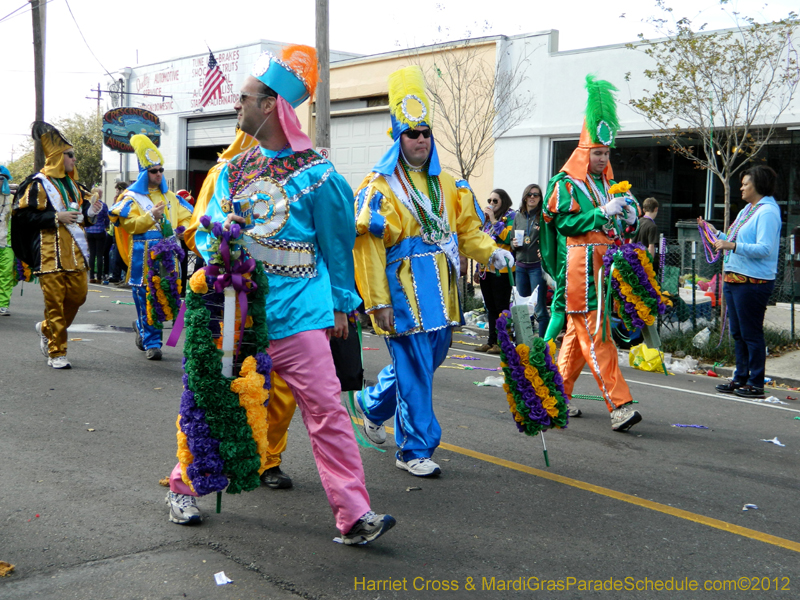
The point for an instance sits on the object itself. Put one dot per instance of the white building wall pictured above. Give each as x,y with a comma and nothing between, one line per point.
523,155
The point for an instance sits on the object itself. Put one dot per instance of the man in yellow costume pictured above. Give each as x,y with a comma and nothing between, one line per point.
49,213
412,220
147,213
282,405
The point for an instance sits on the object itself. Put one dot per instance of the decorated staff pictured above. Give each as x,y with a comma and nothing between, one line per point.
582,219
149,220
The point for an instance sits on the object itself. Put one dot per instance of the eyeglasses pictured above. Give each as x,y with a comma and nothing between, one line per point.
243,96
413,134
155,171
69,154
534,195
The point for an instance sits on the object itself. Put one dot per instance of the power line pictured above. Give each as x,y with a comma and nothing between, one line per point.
84,40
12,13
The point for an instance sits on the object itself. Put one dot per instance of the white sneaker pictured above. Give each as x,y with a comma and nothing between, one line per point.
4,311
421,467
369,527
182,508
59,362
624,417
43,342
375,433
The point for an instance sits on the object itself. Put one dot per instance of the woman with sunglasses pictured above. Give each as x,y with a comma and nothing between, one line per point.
529,276
496,287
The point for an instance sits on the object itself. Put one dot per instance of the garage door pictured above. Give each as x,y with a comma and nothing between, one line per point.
211,132
357,144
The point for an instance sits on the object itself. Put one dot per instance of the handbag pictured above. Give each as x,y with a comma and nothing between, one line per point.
347,359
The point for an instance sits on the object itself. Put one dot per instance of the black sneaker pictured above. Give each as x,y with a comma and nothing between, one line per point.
276,479
729,388
153,354
369,527
138,341
748,391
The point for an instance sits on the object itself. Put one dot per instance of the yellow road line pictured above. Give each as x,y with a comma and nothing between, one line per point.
663,508
596,489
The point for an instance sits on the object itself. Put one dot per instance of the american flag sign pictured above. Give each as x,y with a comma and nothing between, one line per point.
212,88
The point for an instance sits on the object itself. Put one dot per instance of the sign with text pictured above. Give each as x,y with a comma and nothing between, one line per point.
121,124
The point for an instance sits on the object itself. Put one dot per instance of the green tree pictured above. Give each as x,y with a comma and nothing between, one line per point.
85,133
719,95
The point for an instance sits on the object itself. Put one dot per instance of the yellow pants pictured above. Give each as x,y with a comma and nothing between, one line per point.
580,348
64,293
280,411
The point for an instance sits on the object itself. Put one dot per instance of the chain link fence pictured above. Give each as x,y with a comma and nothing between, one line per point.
693,283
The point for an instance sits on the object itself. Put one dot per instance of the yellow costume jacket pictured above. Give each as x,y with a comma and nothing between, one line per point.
137,230
395,268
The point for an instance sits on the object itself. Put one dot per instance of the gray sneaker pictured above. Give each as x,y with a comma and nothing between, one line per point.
153,354
59,362
138,339
369,527
183,509
574,412
4,312
375,433
43,343
624,417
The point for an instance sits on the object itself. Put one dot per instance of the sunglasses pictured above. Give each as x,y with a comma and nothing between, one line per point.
534,195
154,171
413,134
493,201
69,154
243,96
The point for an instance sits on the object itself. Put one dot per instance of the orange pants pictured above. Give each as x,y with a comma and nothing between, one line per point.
579,348
64,293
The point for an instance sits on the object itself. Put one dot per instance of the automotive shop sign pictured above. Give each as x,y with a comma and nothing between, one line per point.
120,124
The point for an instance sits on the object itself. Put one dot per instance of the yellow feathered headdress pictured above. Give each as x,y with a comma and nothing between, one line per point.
146,152
408,100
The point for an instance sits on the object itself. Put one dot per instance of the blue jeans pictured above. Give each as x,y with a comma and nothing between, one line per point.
528,279
747,304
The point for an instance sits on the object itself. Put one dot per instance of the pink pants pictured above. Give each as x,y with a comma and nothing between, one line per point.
304,361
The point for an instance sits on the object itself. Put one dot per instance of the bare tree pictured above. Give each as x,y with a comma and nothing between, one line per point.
478,96
718,96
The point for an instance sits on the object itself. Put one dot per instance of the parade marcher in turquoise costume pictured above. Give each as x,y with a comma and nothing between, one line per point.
148,214
303,238
7,278
412,220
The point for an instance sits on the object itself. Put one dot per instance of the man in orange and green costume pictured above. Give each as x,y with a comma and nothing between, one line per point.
580,221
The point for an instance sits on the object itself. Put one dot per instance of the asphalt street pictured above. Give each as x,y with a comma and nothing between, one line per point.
82,514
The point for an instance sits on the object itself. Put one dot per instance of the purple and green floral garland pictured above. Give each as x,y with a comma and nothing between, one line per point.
630,275
223,446
163,280
534,387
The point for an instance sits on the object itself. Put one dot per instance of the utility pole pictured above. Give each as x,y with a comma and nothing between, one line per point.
39,15
323,103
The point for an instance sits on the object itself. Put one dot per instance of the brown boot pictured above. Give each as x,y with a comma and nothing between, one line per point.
494,350
484,348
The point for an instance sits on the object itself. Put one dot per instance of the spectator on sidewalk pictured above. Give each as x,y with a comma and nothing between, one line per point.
750,267
529,275
648,232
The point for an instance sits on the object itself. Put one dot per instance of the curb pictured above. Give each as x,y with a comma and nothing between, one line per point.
777,379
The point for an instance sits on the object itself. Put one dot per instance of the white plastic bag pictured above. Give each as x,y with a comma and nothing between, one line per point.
529,301
702,337
492,381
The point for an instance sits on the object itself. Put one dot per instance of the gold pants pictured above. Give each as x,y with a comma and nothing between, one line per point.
64,293
580,348
280,411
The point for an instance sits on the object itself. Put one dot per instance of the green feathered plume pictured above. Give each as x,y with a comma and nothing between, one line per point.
601,111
